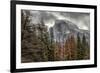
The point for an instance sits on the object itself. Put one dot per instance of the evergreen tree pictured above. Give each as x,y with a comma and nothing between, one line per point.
70,48
79,48
34,47
85,48
25,52
82,47
52,45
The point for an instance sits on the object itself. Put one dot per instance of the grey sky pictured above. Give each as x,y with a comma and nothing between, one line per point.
82,20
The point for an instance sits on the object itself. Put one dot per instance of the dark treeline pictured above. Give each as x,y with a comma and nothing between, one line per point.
38,45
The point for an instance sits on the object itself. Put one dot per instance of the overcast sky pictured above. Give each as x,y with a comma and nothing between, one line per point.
82,20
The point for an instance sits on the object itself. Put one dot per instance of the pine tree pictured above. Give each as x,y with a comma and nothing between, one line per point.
73,47
25,53
70,48
34,47
52,45
79,48
82,47
85,48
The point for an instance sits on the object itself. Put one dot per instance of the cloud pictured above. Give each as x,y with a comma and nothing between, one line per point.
82,20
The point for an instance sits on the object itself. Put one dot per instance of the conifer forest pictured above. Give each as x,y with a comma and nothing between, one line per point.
54,36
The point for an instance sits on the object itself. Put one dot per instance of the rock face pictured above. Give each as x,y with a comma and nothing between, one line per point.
62,29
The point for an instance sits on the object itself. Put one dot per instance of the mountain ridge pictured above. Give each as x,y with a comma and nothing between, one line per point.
63,28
